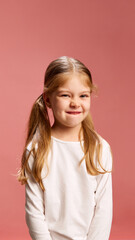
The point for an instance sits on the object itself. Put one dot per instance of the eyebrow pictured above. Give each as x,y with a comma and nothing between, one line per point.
64,90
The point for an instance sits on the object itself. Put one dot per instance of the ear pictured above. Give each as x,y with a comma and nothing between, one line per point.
47,101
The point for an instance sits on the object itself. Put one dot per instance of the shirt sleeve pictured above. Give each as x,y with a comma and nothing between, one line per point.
35,209
100,226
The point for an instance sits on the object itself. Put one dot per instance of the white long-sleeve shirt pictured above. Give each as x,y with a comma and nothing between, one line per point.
75,204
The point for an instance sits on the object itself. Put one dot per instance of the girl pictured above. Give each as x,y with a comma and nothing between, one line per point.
67,166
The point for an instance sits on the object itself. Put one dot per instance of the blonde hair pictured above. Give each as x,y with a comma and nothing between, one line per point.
39,122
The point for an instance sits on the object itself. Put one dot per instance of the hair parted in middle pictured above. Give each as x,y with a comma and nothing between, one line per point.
39,127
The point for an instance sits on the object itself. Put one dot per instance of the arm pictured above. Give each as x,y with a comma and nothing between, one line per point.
101,223
35,210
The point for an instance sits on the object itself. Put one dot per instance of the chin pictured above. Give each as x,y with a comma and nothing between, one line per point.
73,125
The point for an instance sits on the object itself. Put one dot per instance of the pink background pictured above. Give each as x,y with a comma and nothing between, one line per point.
102,35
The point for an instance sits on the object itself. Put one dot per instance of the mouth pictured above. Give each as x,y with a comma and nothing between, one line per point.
73,113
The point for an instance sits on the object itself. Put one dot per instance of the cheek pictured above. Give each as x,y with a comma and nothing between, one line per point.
60,105
87,106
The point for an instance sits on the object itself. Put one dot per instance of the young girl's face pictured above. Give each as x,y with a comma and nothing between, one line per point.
70,103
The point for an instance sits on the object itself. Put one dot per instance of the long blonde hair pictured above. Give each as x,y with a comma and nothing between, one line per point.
39,122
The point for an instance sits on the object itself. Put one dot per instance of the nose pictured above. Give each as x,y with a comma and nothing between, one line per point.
74,103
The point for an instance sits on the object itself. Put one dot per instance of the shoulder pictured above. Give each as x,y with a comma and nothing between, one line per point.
105,144
106,154
29,146
32,144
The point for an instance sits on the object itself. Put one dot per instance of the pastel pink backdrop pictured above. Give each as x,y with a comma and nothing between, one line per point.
99,33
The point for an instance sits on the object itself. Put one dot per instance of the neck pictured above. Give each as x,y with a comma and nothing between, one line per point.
66,133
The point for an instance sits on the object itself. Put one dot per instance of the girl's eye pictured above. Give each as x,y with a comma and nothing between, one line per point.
65,95
84,96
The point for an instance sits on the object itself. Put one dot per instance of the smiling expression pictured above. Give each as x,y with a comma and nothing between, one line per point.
70,103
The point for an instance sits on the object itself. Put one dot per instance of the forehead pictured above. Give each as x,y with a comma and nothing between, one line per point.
75,80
